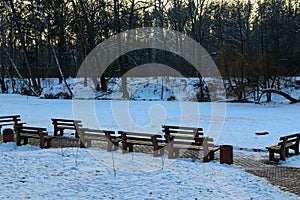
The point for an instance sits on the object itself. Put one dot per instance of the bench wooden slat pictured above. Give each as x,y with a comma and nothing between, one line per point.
184,132
10,116
9,120
139,142
65,120
181,127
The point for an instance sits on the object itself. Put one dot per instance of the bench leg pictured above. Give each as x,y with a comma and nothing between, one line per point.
42,142
283,153
109,146
155,146
162,151
55,131
271,155
282,156
25,141
206,158
88,143
61,132
287,151
159,152
76,134
49,143
295,149
176,151
116,145
124,147
18,140
212,155
170,152
130,147
81,145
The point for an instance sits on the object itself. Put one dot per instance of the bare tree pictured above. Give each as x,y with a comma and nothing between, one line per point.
23,46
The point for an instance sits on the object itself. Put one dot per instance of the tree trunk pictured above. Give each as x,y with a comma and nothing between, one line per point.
103,84
23,46
285,95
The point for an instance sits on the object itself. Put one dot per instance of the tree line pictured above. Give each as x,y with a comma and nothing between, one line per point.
254,43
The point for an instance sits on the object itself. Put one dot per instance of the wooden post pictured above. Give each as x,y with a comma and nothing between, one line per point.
297,145
155,145
282,149
42,139
271,155
205,151
109,141
55,126
124,142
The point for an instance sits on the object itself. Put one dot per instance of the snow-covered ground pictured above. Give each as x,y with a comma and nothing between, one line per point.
30,172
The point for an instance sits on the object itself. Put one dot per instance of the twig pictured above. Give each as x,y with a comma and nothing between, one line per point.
76,157
62,153
162,162
113,162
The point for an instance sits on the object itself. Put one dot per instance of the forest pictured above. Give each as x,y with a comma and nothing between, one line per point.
255,43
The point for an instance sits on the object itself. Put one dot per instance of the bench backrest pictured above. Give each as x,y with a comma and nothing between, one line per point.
70,123
31,130
85,132
294,138
183,135
9,120
186,136
178,130
139,136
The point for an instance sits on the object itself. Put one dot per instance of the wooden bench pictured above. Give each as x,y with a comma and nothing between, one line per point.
88,135
61,124
283,147
10,120
23,133
188,138
129,139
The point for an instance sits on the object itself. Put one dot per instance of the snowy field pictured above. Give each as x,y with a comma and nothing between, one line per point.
71,173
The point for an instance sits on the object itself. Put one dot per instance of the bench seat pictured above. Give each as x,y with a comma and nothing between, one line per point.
129,139
23,133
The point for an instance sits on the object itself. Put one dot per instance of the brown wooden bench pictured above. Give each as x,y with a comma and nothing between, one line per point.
10,120
188,138
61,124
23,133
129,139
88,135
283,147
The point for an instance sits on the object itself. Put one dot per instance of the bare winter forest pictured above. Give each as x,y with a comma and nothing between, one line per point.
255,44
